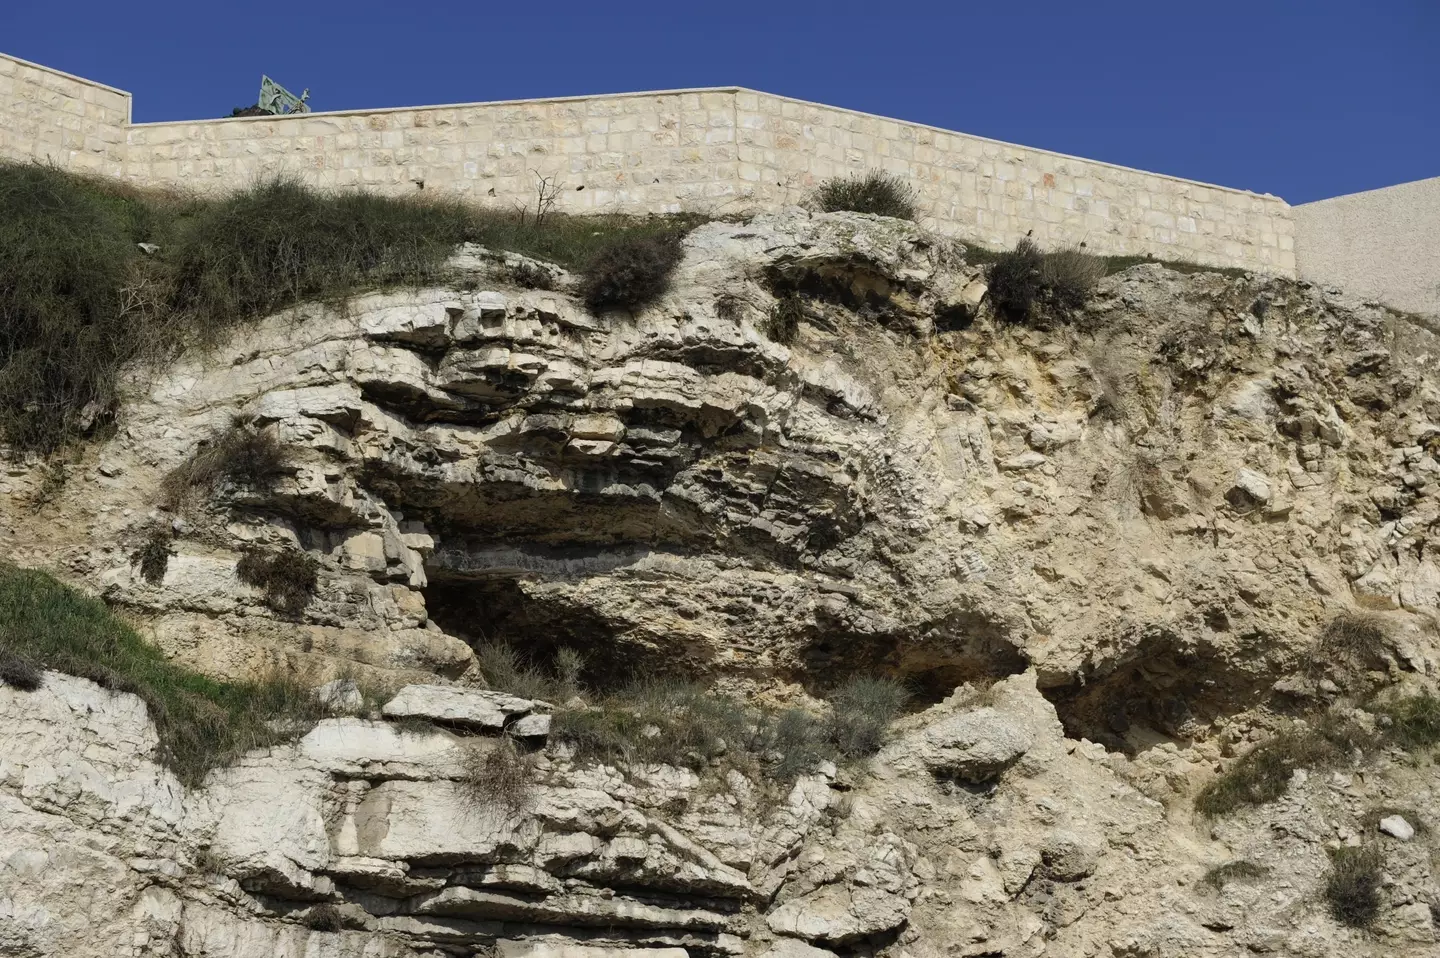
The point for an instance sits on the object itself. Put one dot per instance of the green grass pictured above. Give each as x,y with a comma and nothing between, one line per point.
1414,720
1352,886
202,723
79,299
1263,774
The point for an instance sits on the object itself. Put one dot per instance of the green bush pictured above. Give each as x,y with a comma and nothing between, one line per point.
630,271
79,299
1028,285
875,191
861,711
288,577
1352,886
202,723
1263,774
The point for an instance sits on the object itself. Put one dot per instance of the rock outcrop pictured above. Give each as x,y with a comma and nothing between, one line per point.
1101,553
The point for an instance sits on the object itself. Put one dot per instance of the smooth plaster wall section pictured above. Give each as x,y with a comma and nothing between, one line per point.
653,152
994,193
55,117
1382,244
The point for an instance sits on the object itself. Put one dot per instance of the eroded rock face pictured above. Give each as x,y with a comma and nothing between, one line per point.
1137,523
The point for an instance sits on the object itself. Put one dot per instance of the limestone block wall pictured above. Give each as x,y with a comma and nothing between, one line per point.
724,150
648,152
993,193
54,117
1382,244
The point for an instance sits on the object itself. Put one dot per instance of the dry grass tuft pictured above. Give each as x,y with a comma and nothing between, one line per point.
874,191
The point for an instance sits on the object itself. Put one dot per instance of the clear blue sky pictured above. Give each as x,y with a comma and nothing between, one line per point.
1301,98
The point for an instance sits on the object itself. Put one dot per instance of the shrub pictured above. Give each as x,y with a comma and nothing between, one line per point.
1263,774
153,555
201,722
1354,638
1352,887
783,322
498,776
505,671
325,917
288,577
792,743
874,191
569,673
1069,277
1026,283
19,674
630,271
241,455
861,711
528,275
1221,875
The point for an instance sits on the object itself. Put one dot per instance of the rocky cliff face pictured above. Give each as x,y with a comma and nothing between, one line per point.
1117,538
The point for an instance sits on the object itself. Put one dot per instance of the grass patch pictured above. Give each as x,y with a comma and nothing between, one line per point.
1352,886
1028,285
202,723
288,577
861,711
19,673
874,191
1370,821
681,723
79,299
1414,720
325,916
630,272
1241,870
1263,774
782,323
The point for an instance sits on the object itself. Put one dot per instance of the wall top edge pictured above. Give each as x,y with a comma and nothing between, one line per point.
443,106
1378,189
69,76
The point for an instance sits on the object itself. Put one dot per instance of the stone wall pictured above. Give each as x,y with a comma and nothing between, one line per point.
725,150
1381,244
55,117
639,152
993,193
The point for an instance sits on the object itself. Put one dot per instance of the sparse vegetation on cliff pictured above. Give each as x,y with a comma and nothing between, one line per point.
630,271
202,723
95,274
1352,886
874,191
1028,284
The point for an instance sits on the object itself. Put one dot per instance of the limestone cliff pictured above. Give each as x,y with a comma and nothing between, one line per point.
1100,552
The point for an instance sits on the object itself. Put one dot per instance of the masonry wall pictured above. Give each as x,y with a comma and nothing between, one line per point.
1381,244
54,117
641,152
993,193
720,151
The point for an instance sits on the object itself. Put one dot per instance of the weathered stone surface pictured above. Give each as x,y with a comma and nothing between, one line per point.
469,708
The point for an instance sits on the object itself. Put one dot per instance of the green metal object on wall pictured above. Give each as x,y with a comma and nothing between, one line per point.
275,99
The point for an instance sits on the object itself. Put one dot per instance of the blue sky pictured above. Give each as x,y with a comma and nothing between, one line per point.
1301,98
